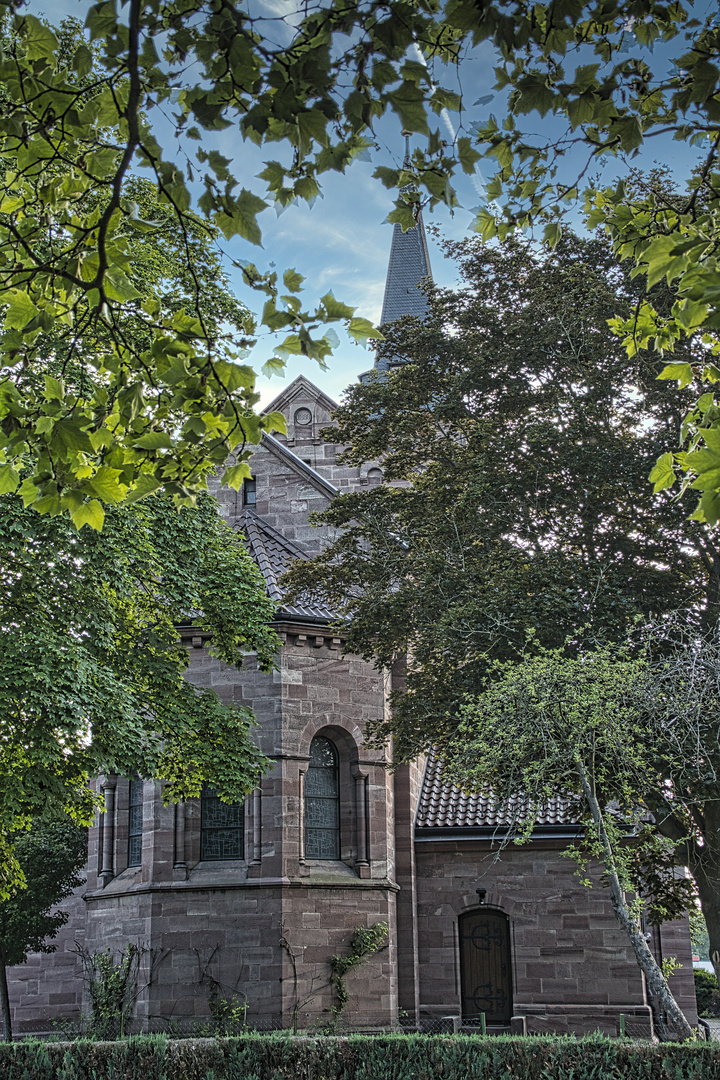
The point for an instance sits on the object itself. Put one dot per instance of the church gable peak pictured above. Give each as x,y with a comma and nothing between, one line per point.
299,392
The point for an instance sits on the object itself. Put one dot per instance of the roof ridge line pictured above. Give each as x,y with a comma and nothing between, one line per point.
299,465
299,380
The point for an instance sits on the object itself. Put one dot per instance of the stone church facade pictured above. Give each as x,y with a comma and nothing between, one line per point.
253,900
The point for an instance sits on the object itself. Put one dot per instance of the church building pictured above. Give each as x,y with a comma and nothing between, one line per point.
250,902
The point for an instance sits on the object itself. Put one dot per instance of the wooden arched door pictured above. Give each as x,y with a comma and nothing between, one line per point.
485,965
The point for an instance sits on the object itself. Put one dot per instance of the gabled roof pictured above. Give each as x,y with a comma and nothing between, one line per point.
445,811
300,387
274,555
298,465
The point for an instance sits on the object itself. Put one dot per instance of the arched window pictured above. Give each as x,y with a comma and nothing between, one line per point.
135,823
222,826
322,801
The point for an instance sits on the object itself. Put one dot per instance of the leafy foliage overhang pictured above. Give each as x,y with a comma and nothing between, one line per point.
78,118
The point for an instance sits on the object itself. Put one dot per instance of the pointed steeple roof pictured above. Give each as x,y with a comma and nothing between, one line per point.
409,265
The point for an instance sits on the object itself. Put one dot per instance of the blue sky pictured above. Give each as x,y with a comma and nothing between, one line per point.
342,243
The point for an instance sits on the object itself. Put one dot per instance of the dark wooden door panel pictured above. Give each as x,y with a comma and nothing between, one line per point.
485,969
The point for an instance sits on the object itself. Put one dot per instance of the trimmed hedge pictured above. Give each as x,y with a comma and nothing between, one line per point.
706,992
360,1057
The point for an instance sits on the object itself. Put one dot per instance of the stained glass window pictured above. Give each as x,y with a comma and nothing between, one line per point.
135,823
222,826
322,802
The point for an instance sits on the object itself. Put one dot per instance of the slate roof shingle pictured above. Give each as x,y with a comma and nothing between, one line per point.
274,554
443,805
409,265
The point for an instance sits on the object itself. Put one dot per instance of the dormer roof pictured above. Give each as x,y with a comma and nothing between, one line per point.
445,811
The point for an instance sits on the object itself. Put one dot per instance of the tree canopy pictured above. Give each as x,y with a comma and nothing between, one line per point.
92,679
626,744
515,443
50,857
573,731
79,118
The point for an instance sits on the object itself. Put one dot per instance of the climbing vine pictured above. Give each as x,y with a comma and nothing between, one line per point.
363,944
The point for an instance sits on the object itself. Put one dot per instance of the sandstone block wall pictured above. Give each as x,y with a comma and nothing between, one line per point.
573,967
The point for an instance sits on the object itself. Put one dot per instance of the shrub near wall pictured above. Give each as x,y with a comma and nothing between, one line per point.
412,1057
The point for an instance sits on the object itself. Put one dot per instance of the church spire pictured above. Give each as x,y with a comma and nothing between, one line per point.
409,265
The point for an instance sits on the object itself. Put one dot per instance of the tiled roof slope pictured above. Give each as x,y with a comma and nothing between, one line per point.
274,555
443,806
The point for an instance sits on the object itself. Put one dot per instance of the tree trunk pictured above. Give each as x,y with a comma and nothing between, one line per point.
707,879
5,1000
657,983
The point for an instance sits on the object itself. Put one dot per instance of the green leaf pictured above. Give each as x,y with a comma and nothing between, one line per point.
274,366
403,216
146,484
154,440
54,389
235,475
292,280
90,513
82,61
682,372
408,101
20,309
552,234
242,220
40,41
335,309
363,331
467,156
662,474
486,225
9,479
275,421
101,20
106,486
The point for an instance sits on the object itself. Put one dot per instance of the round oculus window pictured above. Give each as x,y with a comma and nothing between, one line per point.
303,417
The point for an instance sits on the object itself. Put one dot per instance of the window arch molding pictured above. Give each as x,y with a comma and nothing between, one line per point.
351,799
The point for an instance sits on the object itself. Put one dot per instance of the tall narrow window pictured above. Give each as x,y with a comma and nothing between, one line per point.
221,827
322,802
135,823
249,491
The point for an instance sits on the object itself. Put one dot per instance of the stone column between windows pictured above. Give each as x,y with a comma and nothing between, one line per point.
108,834
301,815
180,863
256,827
361,815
